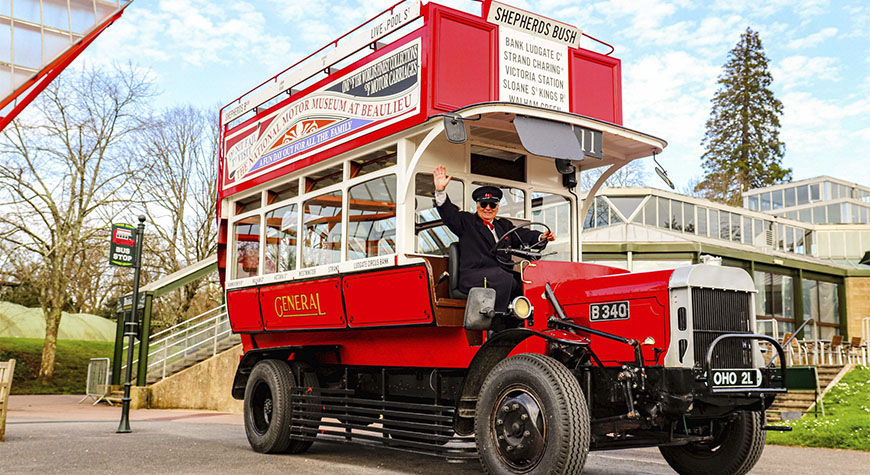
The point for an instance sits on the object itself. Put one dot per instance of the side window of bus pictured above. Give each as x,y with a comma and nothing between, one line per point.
432,236
321,230
372,218
513,201
281,239
555,212
246,232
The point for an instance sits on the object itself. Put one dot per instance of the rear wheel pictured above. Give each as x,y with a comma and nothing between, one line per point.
736,447
267,406
531,418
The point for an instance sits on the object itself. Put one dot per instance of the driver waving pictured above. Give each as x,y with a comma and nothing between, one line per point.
478,233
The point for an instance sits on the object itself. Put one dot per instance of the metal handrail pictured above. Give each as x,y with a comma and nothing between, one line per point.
187,337
790,339
187,322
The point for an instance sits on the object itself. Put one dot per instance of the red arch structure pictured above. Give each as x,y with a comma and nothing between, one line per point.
54,24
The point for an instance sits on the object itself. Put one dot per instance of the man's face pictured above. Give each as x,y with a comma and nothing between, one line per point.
487,210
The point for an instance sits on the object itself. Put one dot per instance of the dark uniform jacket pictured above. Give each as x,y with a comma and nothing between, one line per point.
475,250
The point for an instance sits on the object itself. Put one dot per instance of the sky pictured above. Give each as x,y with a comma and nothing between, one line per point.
209,52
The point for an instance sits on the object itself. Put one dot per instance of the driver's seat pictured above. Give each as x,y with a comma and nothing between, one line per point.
453,272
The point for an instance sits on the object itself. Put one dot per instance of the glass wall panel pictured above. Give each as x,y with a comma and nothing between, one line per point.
371,225
777,199
664,213
689,217
649,212
834,214
789,197
803,194
853,245
677,215
735,227
724,228
55,14
828,303
321,230
702,221
819,216
805,215
626,204
765,201
758,232
602,212
753,202
281,239
761,296
433,237
789,239
714,223
747,230
814,192
246,234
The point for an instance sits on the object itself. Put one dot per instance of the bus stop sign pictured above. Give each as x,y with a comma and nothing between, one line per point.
123,244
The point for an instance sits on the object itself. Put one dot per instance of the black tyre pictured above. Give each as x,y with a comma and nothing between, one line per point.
531,418
736,447
307,383
267,406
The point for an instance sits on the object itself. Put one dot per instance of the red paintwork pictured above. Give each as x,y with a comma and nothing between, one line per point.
647,293
459,67
407,304
588,71
303,305
400,297
243,306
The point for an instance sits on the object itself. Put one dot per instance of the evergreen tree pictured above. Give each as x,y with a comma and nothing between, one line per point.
742,146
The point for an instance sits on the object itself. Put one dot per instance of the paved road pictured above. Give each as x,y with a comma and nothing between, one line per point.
53,434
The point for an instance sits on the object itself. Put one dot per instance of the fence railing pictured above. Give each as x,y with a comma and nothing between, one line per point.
197,338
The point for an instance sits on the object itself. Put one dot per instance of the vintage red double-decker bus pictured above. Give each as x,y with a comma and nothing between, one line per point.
341,276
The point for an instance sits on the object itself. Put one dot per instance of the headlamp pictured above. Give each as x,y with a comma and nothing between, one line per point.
521,307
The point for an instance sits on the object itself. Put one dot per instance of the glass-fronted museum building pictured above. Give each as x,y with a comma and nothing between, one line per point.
803,243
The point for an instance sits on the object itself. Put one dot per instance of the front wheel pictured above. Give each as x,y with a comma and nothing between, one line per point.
736,447
531,418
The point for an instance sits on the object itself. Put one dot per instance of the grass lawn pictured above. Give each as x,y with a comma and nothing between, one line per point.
71,364
847,421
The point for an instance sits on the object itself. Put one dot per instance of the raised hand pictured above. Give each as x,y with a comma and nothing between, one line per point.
548,235
440,178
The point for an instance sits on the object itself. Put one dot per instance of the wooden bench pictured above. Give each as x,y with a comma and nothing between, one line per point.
6,371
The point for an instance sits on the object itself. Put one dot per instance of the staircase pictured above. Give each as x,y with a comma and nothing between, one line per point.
187,343
803,401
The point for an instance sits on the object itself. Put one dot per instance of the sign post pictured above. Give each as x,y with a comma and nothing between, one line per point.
126,251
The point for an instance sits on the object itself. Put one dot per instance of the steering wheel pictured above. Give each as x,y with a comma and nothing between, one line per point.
502,251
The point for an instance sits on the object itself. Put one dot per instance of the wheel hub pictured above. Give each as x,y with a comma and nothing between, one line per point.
519,429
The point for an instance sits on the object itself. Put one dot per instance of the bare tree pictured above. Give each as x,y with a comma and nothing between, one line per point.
179,188
64,174
632,174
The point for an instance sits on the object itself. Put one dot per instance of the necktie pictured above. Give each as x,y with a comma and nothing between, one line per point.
489,225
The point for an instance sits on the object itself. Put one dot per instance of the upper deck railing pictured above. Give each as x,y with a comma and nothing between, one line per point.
383,24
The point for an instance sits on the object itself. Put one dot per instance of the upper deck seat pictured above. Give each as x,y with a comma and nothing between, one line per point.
453,272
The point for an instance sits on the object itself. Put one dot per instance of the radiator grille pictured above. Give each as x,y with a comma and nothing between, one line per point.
716,312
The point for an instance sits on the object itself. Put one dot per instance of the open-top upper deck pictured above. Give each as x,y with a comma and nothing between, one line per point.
357,90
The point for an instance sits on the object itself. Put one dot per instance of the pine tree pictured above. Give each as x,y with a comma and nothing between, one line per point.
742,146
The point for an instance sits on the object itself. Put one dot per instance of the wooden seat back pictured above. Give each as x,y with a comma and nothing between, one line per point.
6,370
856,341
836,340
